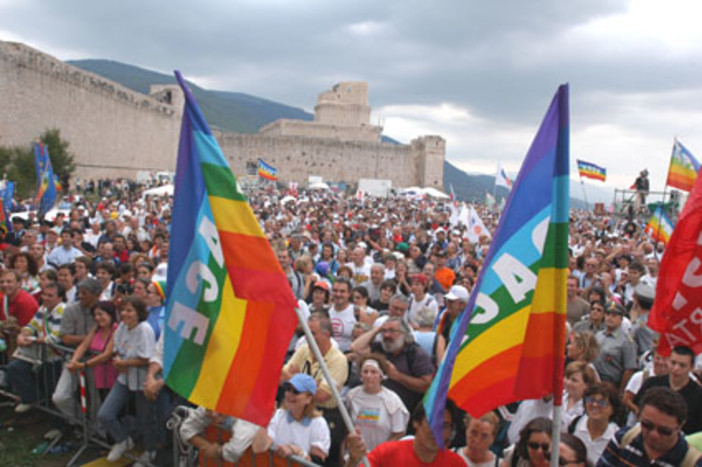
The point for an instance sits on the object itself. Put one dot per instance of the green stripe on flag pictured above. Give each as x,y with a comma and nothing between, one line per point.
507,307
188,362
557,236
221,182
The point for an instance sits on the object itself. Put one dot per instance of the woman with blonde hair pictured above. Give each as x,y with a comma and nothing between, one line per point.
578,375
583,347
298,428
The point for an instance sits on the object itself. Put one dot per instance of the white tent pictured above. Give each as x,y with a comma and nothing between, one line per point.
434,193
319,186
165,190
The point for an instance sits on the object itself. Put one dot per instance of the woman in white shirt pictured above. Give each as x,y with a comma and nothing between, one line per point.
596,428
298,428
134,344
375,410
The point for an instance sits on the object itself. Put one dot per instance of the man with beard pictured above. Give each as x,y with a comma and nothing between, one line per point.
410,368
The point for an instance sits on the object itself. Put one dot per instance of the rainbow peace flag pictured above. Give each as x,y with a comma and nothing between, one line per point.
230,310
659,227
590,170
683,169
267,171
509,342
46,186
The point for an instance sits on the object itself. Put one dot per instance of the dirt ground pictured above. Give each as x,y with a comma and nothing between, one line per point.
21,433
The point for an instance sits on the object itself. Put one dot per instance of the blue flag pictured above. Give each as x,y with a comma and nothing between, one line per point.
8,202
46,184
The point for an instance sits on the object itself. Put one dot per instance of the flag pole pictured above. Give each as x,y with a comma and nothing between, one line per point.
556,433
582,184
327,376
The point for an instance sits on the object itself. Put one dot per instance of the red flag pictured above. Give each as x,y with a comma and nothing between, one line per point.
677,311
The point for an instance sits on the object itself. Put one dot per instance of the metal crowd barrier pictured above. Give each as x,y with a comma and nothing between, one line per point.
48,376
186,455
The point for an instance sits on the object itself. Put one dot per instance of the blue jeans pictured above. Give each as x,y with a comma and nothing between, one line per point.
30,384
119,397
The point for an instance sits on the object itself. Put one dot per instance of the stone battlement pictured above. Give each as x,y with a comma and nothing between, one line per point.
22,56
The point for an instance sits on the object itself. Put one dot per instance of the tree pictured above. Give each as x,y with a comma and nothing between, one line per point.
21,170
17,163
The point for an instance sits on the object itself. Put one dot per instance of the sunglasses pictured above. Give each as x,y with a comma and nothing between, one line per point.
662,430
603,403
287,387
545,447
562,461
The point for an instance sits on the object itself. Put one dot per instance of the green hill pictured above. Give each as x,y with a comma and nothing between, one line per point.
229,111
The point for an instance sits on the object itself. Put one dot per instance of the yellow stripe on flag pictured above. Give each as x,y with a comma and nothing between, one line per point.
545,300
501,336
234,216
221,349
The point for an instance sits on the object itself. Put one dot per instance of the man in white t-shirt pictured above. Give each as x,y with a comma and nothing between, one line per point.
341,314
360,268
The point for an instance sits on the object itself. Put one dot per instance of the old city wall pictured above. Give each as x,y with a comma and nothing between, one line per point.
112,130
296,157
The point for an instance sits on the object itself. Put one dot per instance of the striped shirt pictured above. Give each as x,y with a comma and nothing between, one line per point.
621,453
47,323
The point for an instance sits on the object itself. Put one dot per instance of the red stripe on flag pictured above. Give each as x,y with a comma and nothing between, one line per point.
257,285
273,356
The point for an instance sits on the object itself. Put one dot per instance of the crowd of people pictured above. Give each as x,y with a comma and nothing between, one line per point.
380,283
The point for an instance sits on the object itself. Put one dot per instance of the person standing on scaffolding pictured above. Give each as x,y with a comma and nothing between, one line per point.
641,187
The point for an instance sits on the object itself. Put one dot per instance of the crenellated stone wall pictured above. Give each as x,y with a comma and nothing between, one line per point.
114,131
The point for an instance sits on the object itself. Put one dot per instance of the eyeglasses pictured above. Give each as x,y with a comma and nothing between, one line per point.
603,403
662,430
534,446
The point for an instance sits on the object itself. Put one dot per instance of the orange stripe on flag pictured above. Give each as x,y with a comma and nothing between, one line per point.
538,344
248,252
486,400
488,373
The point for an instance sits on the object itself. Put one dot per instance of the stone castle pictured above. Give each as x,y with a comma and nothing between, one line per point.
114,131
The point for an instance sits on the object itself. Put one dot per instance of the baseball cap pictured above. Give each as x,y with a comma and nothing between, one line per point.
458,292
321,285
303,383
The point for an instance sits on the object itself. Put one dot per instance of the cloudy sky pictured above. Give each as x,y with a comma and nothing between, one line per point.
480,74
